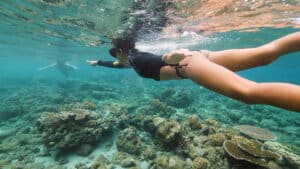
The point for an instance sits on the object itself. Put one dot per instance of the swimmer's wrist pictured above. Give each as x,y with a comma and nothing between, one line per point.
116,63
99,62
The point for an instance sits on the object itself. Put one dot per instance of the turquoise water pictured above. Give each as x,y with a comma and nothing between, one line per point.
37,33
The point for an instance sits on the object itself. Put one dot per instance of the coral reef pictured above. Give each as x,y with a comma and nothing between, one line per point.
157,107
71,129
234,151
292,160
100,163
168,162
124,160
141,131
129,141
200,163
169,132
249,150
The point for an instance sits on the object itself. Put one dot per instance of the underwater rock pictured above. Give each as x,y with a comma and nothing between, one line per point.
256,132
124,159
60,158
157,108
168,162
100,163
180,98
200,163
81,166
194,123
158,120
149,153
291,159
84,149
70,129
129,141
217,139
169,132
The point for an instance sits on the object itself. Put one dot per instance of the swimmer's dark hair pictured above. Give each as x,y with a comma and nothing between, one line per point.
124,44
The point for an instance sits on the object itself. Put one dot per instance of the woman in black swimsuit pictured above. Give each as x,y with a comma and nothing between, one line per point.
215,70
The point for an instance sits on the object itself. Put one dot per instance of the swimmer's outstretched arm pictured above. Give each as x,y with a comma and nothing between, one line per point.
112,64
241,59
47,67
71,66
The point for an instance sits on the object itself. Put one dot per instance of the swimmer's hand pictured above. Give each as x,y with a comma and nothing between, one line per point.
174,57
116,63
92,62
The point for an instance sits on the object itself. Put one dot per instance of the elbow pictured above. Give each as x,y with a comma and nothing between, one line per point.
246,95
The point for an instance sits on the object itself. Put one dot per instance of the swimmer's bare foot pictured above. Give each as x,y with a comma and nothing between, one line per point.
174,57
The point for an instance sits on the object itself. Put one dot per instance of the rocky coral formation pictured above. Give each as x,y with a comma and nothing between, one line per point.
249,150
100,163
169,132
129,141
124,160
72,129
291,159
168,162
156,106
200,163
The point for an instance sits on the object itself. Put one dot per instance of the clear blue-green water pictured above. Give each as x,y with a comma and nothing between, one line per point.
36,33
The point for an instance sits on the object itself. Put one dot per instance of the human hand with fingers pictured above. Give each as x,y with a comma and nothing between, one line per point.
92,62
174,57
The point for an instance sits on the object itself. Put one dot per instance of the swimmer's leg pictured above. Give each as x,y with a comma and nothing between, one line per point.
219,79
240,59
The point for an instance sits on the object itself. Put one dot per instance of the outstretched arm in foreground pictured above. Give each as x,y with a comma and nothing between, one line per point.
217,78
241,59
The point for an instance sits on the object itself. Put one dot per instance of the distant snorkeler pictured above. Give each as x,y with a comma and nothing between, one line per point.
63,66
214,69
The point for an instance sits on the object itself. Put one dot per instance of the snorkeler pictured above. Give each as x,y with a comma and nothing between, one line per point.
215,70
63,67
